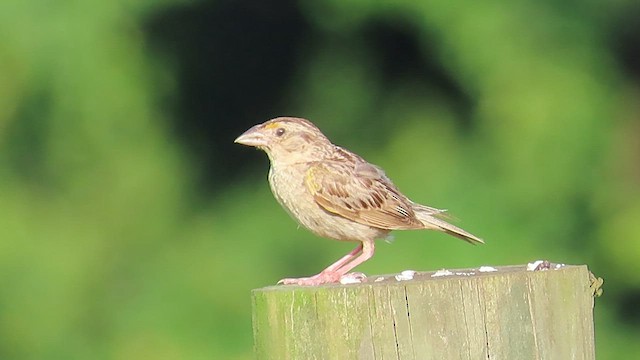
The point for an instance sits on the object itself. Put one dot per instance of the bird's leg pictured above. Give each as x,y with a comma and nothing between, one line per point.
344,260
328,275
368,248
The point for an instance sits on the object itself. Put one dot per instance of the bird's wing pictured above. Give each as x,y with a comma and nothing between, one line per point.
360,192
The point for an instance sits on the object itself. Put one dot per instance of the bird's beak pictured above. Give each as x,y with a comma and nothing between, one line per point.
252,137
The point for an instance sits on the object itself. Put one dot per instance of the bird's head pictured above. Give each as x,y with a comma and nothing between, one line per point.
287,139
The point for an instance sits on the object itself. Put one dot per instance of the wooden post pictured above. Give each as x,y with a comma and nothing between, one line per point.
499,313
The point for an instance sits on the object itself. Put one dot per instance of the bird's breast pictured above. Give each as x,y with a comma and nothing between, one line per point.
288,188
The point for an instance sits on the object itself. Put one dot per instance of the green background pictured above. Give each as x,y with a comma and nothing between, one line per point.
131,226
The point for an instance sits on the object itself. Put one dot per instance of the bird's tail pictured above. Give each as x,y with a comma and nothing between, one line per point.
431,219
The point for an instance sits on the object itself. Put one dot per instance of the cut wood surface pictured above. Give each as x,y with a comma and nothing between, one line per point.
511,313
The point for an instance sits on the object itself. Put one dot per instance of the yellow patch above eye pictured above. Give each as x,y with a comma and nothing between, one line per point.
272,125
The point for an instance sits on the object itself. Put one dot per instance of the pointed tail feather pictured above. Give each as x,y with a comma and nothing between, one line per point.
431,222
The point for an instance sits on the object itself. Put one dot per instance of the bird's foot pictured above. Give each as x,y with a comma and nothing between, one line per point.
319,279
325,278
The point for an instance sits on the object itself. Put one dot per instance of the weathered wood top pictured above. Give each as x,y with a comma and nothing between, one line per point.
433,275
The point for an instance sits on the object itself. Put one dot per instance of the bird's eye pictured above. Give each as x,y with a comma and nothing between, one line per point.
279,132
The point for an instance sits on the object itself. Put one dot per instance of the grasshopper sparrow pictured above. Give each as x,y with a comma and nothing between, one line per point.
337,194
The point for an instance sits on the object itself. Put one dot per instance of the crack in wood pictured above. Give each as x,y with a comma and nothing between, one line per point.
464,317
406,299
393,319
533,319
483,301
372,303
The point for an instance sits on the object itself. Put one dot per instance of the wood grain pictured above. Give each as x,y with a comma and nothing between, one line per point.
511,313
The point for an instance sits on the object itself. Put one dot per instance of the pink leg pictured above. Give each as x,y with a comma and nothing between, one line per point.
345,259
335,271
367,252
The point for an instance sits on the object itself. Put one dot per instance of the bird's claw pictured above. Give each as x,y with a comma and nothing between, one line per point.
325,278
319,279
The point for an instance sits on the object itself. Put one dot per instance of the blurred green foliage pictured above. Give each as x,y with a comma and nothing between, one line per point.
110,247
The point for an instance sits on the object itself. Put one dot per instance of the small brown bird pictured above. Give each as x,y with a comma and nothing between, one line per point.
337,194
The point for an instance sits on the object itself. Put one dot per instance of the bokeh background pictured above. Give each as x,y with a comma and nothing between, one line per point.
131,226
